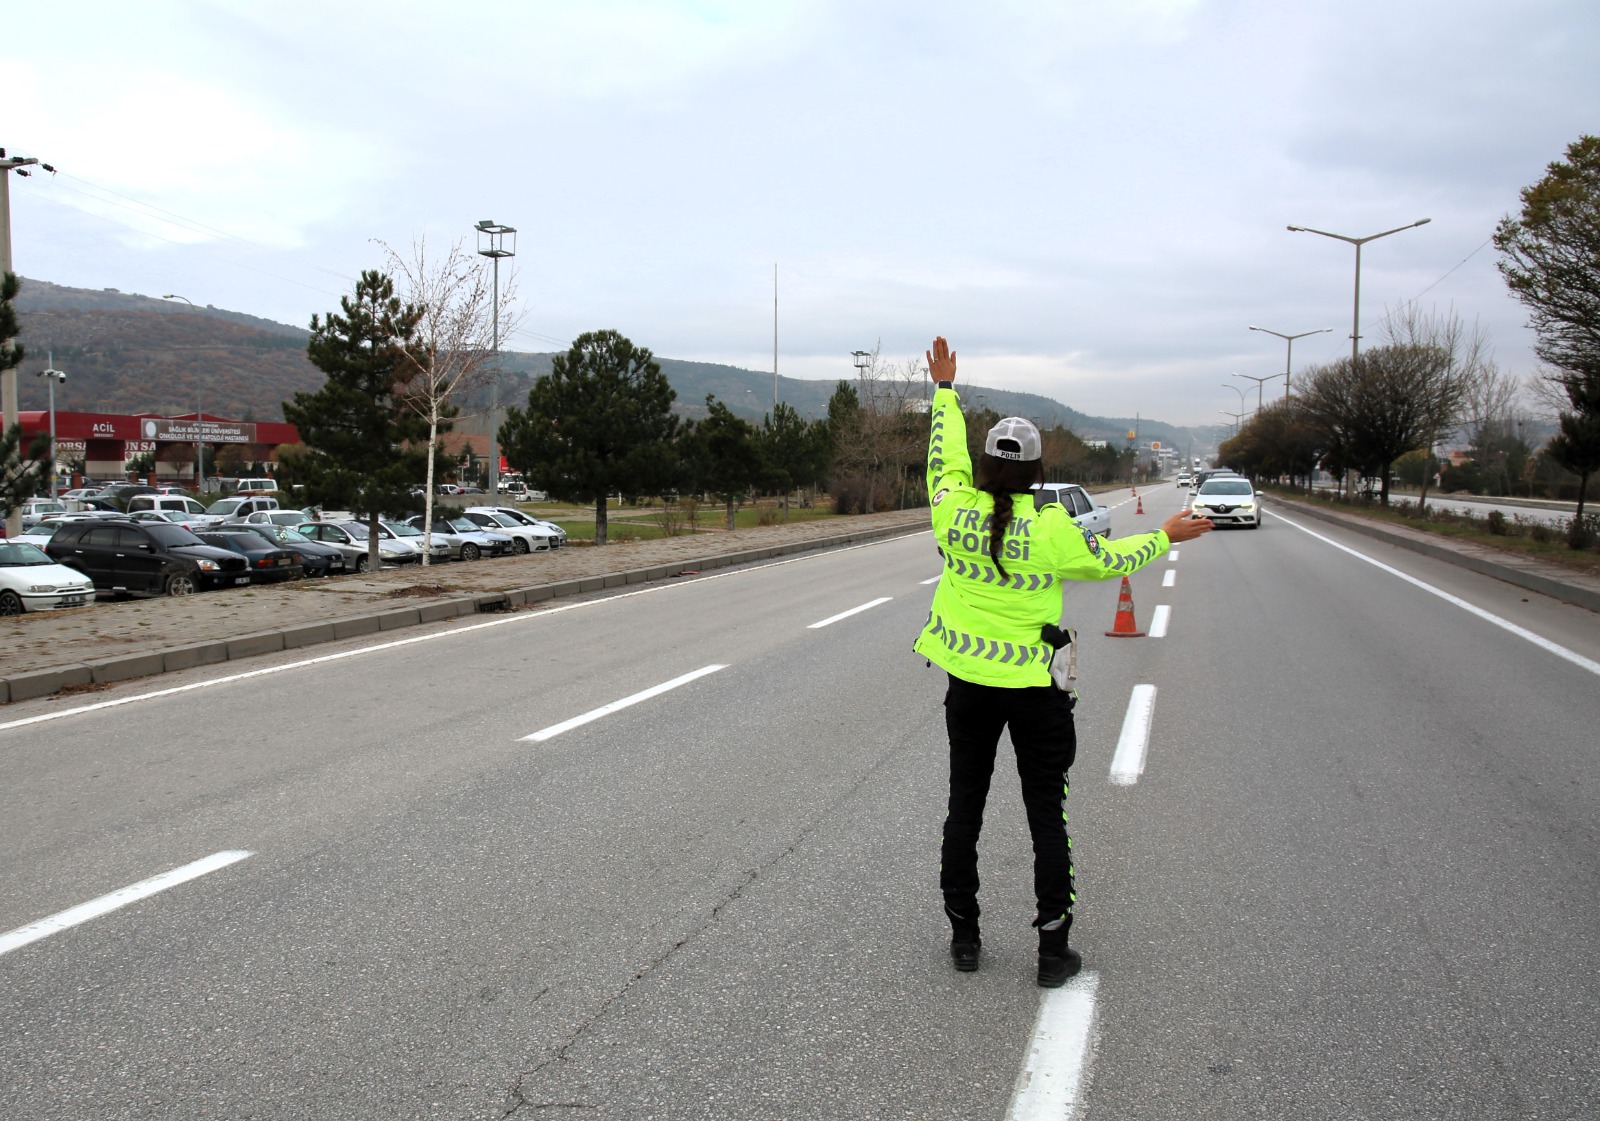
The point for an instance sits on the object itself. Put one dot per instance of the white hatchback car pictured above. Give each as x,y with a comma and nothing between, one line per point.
31,581
1076,501
1228,500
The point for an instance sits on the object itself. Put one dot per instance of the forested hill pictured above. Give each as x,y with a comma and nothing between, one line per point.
127,353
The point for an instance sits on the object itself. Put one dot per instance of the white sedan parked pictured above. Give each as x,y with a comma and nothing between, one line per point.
1228,500
524,538
31,581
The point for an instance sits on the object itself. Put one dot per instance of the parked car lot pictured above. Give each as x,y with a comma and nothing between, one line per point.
31,580
1228,500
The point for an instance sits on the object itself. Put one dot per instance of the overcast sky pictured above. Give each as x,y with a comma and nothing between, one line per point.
1088,198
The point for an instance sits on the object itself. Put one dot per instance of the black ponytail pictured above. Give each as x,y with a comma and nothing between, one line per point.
1003,478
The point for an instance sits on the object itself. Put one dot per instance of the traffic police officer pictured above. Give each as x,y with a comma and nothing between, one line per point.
1004,561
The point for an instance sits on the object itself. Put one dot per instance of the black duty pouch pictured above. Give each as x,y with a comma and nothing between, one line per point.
1063,665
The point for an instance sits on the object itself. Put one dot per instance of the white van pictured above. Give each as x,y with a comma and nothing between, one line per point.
253,486
166,503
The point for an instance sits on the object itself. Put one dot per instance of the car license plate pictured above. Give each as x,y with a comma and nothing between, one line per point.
70,601
241,579
283,561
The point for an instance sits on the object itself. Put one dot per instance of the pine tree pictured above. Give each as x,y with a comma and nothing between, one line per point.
365,450
19,477
599,423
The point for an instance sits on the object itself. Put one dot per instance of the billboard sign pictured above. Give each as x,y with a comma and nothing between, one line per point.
191,431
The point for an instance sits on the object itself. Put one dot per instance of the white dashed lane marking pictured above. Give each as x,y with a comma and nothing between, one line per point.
1050,1084
1158,621
617,706
83,912
847,614
1128,762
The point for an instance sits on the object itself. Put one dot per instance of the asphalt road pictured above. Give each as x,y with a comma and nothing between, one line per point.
1356,877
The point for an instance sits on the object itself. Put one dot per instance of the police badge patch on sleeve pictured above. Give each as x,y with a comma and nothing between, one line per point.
939,497
1091,540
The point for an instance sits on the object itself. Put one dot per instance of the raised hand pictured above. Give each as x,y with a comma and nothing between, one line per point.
941,361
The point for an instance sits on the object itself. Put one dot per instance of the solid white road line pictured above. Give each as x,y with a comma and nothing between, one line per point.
1051,1084
1170,578
1172,554
83,912
1158,621
451,632
1128,762
618,706
1555,648
935,580
847,614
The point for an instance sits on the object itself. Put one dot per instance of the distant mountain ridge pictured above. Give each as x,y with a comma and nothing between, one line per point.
129,353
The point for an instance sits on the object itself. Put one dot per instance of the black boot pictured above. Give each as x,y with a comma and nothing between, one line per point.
965,944
1057,961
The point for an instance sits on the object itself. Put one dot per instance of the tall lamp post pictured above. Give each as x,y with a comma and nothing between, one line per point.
1235,417
1358,242
51,376
8,377
199,417
1289,356
1243,408
495,241
1260,382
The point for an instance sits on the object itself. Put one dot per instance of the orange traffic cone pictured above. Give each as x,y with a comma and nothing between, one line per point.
1140,510
1134,487
1124,625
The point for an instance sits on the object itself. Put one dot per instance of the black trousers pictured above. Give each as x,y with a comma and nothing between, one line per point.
1042,734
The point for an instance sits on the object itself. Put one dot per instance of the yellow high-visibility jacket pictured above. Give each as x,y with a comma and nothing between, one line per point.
984,628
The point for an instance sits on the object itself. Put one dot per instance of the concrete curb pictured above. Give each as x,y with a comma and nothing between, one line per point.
44,682
1533,581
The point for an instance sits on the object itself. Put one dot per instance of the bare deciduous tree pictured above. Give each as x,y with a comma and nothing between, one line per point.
453,350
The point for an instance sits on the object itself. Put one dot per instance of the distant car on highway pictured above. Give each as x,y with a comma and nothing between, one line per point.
1075,501
1228,500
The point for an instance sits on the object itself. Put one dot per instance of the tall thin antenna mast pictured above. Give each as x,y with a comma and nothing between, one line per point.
774,341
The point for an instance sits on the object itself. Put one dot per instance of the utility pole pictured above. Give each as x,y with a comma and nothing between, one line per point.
774,342
8,377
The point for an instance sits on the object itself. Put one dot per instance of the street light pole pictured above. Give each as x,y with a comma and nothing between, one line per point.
1235,417
1289,354
1358,242
199,417
51,376
8,376
1228,385
1260,382
492,244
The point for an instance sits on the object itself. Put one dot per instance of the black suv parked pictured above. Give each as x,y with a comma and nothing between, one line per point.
145,558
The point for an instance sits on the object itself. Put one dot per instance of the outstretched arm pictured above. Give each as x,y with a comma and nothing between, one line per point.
948,461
